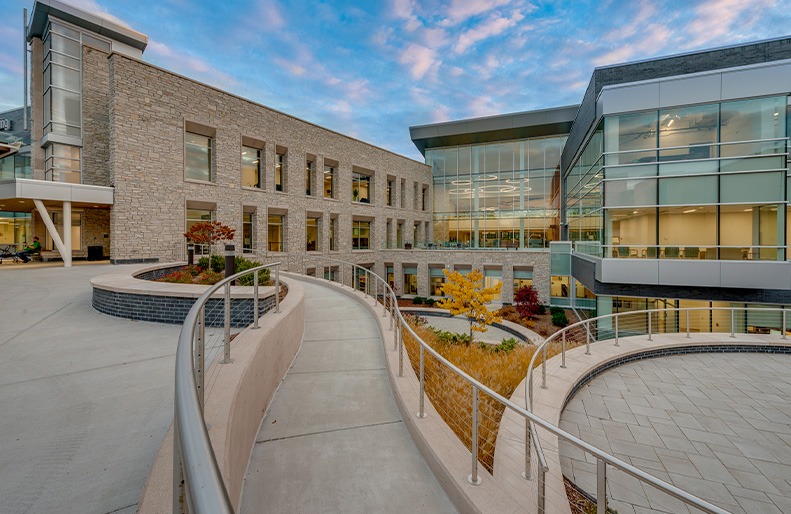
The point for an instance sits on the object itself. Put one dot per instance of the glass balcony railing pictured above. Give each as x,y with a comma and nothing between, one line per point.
694,252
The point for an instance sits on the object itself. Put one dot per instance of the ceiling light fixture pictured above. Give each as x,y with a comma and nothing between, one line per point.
691,210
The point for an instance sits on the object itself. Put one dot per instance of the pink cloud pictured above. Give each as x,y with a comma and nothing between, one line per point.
715,18
419,59
182,62
489,28
461,10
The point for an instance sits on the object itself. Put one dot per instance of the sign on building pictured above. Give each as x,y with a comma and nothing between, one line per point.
5,124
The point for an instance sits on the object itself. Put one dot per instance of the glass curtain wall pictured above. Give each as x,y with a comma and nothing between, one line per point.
497,195
699,182
16,228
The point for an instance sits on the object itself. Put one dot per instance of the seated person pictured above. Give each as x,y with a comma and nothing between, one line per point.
29,249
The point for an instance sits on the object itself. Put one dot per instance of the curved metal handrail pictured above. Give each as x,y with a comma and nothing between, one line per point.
530,418
199,483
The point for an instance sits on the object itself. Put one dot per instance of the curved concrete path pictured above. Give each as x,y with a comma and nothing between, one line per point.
333,439
85,398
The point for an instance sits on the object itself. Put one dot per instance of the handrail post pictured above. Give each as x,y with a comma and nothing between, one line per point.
563,352
649,326
392,312
226,357
474,479
733,322
200,358
528,450
542,490
687,323
178,470
277,289
422,412
601,486
384,299
400,349
255,299
587,340
616,330
784,323
544,368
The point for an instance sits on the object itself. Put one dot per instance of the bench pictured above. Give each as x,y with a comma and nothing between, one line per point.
52,255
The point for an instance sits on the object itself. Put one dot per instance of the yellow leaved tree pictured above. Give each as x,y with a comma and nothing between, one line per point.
465,295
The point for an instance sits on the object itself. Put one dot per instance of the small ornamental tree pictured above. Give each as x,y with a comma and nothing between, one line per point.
209,233
466,295
526,302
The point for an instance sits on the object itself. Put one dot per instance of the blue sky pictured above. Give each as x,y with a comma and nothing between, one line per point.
372,69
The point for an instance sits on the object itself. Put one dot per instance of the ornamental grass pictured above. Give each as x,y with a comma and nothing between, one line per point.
451,395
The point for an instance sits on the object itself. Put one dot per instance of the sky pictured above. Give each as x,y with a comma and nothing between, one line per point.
372,69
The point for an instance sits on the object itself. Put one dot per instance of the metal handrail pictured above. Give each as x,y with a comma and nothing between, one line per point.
197,482
530,419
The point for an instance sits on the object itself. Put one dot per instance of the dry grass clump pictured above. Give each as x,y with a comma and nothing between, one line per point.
451,395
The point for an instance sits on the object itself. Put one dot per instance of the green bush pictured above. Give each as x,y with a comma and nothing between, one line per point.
243,264
429,302
542,309
559,319
217,263
555,310
418,300
451,337
505,346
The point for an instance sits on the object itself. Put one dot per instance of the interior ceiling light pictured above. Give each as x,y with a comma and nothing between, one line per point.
690,210
461,182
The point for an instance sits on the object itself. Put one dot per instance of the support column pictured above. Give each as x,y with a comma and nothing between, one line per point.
67,235
53,233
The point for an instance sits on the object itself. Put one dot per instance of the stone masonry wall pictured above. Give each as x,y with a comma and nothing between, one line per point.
148,110
95,117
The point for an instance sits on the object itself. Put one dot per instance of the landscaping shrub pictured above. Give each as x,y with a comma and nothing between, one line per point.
429,302
243,264
217,263
415,320
526,302
207,278
447,337
505,346
418,300
559,319
542,309
555,310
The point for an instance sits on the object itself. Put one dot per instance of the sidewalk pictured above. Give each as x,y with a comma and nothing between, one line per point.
333,439
86,398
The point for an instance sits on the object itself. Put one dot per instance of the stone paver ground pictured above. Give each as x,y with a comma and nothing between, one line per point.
716,425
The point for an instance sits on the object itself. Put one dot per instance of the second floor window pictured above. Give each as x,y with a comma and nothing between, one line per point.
390,192
361,233
197,157
312,235
251,167
329,182
309,178
279,165
276,233
361,188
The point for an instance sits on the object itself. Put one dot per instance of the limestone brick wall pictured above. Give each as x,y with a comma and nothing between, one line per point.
148,109
95,117
95,226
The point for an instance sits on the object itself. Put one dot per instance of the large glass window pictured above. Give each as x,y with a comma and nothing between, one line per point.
62,81
251,167
688,232
361,233
361,188
197,153
198,216
279,169
248,241
390,192
76,230
492,277
688,133
436,277
750,232
312,235
16,228
276,233
329,182
62,163
628,134
410,279
309,168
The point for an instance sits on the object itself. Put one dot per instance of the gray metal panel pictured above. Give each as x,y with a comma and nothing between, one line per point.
758,81
692,90
756,274
689,273
630,271
639,97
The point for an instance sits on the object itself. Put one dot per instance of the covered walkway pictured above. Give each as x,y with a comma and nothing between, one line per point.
333,439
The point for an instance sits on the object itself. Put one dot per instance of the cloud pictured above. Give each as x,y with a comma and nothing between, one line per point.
420,59
182,62
406,10
651,41
715,18
462,10
271,12
291,66
97,10
484,105
490,28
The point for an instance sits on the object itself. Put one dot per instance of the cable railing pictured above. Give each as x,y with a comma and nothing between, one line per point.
728,321
749,252
430,360
205,337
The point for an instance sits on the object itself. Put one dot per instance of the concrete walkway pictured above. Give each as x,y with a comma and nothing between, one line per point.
716,425
333,439
85,398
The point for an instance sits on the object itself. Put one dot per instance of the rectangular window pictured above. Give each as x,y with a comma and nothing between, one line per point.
197,157
492,277
390,276
329,182
251,167
390,192
522,278
423,198
436,281
361,232
62,81
559,287
276,233
333,231
248,242
279,165
76,230
309,167
403,193
312,235
62,163
410,280
198,216
361,188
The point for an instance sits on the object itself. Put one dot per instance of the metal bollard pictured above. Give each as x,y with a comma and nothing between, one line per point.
474,479
226,358
255,299
190,254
